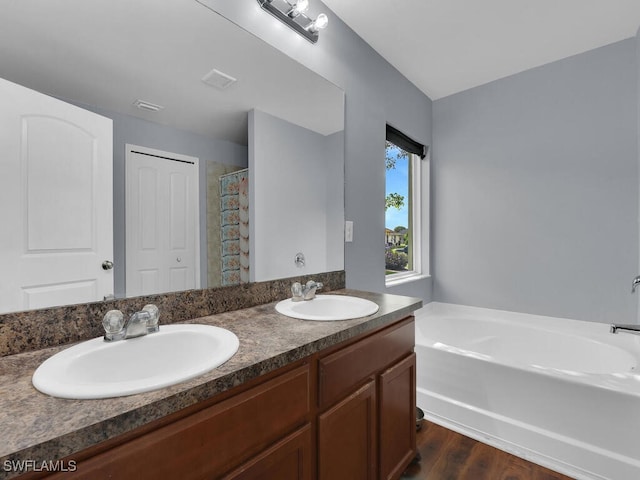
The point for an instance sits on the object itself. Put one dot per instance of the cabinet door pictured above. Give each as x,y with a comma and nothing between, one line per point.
289,459
347,437
397,397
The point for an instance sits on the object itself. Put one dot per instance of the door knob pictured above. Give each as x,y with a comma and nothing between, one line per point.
107,265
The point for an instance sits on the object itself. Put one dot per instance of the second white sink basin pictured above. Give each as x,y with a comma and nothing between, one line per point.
328,308
99,369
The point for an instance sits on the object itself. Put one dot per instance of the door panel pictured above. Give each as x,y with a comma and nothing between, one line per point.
50,165
147,218
63,293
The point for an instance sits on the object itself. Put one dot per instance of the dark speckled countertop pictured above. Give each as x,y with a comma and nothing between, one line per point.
35,426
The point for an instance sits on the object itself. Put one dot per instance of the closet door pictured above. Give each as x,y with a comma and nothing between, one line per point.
162,229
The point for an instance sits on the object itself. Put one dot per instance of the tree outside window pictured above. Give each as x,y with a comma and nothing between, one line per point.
398,206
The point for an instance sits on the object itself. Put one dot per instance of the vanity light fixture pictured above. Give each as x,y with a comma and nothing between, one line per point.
292,14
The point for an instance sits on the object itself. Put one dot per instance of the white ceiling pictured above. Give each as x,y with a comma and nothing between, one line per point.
446,46
108,53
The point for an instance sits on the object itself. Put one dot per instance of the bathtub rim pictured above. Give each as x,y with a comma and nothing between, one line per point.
625,383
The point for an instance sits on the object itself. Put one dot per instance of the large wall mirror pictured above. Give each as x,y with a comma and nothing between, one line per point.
244,124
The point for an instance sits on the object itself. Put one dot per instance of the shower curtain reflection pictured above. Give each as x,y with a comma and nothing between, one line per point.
227,225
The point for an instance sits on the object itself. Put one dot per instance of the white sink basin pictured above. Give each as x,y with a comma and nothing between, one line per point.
327,308
99,369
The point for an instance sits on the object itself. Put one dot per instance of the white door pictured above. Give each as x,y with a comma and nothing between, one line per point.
56,208
162,228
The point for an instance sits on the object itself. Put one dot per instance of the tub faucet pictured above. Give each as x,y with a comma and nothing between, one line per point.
308,292
635,283
635,329
140,323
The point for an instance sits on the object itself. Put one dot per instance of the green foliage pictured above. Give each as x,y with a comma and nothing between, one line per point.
394,200
395,260
393,154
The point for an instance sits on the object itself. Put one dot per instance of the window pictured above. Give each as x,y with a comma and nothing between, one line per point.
403,158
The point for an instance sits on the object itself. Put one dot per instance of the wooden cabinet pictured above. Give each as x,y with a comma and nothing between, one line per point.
289,459
367,391
397,420
347,443
344,413
212,441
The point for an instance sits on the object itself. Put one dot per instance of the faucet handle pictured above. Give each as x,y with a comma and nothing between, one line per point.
296,291
113,322
154,317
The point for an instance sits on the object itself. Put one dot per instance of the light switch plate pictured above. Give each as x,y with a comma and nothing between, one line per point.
348,231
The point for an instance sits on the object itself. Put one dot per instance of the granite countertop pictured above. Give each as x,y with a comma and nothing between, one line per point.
37,427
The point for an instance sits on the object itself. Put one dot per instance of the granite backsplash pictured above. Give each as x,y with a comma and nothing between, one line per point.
37,329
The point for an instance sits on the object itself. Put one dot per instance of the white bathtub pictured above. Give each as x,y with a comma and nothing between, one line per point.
561,393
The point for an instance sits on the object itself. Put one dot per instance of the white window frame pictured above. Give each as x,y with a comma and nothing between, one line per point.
419,208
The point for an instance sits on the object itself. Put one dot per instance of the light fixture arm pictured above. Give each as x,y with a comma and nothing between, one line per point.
294,17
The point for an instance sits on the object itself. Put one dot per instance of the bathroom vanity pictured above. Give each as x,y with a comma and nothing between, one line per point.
300,400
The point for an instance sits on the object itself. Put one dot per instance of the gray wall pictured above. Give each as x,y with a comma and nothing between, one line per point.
136,131
335,200
375,94
292,169
535,189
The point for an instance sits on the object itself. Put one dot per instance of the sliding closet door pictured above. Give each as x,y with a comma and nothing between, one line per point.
162,248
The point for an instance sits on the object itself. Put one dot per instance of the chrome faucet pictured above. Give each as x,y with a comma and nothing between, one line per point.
140,323
308,292
634,329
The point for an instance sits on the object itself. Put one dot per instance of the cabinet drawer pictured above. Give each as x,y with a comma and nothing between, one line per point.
342,371
211,441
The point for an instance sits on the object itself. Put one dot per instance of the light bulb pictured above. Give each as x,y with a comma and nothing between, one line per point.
298,8
319,23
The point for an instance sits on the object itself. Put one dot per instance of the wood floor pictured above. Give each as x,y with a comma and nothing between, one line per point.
447,455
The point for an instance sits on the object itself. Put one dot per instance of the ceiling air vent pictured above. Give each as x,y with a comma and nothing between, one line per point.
218,79
148,106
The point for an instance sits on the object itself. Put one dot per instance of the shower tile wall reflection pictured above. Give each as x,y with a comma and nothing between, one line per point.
234,234
215,221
